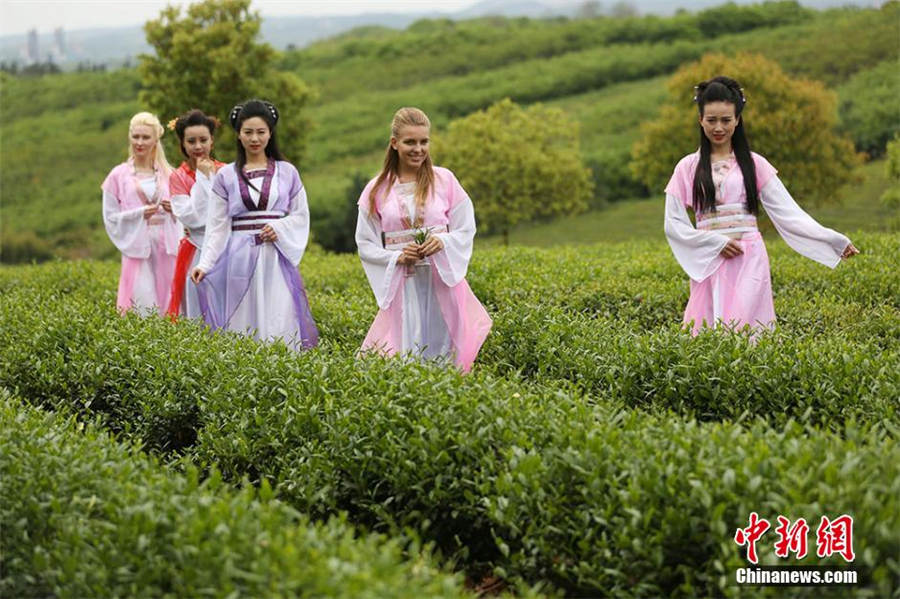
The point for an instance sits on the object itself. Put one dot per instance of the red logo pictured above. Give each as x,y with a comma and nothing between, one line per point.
791,539
835,536
832,537
750,535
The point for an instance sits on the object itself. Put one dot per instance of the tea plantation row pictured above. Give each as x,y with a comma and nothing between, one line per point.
538,466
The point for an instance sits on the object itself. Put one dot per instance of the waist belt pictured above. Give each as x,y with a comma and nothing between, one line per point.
728,218
253,221
397,240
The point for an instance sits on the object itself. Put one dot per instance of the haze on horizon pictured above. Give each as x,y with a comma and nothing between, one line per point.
17,17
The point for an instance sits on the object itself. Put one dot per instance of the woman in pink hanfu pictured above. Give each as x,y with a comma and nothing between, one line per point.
426,307
724,183
138,217
256,233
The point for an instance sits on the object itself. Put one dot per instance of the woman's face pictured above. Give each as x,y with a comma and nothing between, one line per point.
198,142
143,140
411,144
254,136
718,121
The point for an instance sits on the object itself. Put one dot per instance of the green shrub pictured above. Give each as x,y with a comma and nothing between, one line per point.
86,516
868,107
545,464
519,164
23,247
891,196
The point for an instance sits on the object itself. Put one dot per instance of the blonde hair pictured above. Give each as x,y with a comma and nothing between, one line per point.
405,117
159,154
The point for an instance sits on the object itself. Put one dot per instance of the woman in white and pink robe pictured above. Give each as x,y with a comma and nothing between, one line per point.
724,255
137,214
426,307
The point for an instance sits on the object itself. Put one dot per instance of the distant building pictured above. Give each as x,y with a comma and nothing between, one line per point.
59,43
32,50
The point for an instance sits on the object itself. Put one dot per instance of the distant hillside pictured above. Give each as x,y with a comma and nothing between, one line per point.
121,45
607,74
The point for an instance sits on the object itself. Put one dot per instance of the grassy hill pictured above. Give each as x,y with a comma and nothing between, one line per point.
62,133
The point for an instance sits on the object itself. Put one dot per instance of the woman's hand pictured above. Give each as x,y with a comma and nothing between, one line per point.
849,251
431,246
197,275
731,249
150,210
206,166
267,233
409,254
166,205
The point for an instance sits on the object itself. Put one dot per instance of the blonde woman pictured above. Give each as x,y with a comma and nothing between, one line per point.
414,232
138,217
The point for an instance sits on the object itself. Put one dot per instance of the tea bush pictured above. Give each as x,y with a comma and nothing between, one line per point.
596,446
86,516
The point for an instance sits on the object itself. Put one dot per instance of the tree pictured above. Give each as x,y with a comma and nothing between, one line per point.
789,121
517,164
209,59
868,107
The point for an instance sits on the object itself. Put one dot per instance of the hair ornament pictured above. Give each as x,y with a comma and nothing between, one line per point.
171,124
233,116
272,110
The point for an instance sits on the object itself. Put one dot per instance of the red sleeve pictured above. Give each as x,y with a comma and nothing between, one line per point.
178,186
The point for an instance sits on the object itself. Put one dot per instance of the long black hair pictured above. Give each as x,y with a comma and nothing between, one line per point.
193,118
723,89
249,109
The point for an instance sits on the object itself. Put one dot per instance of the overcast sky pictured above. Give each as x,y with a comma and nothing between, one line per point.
18,16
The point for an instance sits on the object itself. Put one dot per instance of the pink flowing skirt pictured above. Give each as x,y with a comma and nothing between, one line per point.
737,294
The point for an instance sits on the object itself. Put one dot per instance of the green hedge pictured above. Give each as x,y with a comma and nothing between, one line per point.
581,338
86,516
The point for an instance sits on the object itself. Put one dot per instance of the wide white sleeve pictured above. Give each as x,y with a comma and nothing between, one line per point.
293,229
698,252
799,229
218,228
190,210
379,264
452,262
127,229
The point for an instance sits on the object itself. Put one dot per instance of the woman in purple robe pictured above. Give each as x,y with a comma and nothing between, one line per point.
256,232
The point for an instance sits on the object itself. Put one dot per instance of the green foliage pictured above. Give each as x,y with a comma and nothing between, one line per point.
891,196
336,224
789,121
731,18
86,516
809,50
210,59
434,49
544,464
18,247
34,97
869,106
518,164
